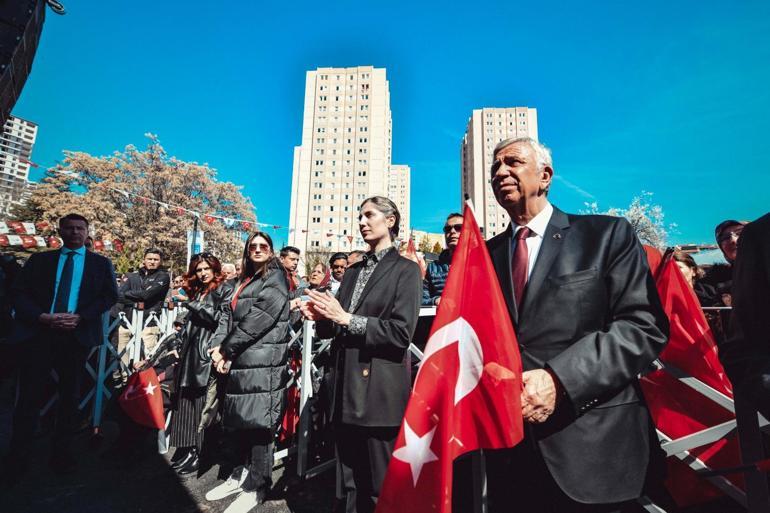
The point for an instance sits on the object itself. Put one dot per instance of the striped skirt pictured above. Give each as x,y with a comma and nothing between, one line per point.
185,418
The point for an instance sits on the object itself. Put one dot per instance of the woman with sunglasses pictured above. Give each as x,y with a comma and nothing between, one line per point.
372,320
251,346
203,285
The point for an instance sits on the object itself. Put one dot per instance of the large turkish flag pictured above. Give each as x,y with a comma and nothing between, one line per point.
467,392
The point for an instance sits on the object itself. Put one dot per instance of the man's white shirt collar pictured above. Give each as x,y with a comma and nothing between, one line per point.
539,223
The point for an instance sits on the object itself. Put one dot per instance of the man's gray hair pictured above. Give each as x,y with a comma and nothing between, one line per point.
542,151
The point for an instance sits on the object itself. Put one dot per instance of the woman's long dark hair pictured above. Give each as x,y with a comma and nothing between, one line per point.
193,286
249,268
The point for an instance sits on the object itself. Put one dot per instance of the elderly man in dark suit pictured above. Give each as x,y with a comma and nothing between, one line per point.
588,321
59,299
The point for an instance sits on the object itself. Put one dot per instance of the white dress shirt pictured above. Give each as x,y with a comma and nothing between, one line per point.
538,224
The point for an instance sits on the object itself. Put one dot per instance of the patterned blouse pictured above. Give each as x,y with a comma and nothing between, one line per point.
357,324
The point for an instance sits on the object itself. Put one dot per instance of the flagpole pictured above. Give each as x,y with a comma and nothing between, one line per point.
478,461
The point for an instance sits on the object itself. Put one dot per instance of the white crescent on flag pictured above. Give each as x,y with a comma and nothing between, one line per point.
469,350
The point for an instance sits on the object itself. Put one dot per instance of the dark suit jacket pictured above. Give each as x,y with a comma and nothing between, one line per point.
371,378
591,314
34,292
746,354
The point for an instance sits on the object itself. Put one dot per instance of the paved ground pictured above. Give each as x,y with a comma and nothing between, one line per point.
144,483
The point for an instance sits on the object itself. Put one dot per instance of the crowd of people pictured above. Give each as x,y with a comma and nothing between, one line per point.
579,294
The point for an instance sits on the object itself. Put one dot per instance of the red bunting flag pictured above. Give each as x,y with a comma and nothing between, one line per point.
4,241
179,211
54,242
98,245
41,225
209,219
246,225
411,254
118,245
677,409
28,241
350,239
142,399
467,392
17,227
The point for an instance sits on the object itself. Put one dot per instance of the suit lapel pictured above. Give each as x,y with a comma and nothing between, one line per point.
383,268
49,278
501,260
553,241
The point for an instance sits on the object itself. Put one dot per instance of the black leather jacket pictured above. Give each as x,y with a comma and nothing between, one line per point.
202,322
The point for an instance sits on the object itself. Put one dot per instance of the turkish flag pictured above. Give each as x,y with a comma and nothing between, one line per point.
142,399
467,392
677,409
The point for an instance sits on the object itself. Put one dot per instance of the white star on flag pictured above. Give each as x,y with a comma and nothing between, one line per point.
416,452
150,389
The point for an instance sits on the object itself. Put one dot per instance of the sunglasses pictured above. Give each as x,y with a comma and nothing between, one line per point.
265,248
725,236
205,254
343,266
456,227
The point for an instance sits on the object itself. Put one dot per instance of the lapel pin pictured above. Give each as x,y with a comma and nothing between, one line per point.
557,236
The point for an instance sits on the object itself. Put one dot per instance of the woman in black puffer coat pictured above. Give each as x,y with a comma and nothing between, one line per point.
204,285
251,346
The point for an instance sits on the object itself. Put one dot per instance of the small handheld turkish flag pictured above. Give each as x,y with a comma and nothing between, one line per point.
467,392
411,254
142,399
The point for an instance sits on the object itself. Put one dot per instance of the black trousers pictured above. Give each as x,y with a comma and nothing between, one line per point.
363,454
186,417
51,350
255,449
519,480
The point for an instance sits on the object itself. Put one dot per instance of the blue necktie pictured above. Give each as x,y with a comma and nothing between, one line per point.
61,304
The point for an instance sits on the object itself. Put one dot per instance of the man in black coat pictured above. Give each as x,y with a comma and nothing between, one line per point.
588,321
59,299
148,286
746,355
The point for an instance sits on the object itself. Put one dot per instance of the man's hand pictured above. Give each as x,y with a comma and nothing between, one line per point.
60,321
294,304
438,300
539,396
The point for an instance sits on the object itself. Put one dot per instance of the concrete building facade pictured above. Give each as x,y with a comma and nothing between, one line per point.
345,156
16,142
399,189
486,128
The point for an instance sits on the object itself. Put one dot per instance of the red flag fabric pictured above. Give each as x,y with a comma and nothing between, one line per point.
246,225
677,409
54,242
17,227
28,241
4,241
467,392
118,245
411,254
209,219
291,415
142,399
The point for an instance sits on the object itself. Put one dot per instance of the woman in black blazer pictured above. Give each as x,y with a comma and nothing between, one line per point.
372,320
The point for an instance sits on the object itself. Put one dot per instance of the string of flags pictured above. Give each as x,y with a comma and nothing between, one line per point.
27,235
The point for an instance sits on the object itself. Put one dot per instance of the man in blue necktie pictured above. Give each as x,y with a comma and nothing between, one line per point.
59,299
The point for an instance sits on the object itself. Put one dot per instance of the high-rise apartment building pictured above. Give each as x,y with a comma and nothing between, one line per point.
399,186
16,142
344,157
486,128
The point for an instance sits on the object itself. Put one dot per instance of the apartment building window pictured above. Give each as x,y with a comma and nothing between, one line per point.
364,107
331,220
347,152
363,139
319,162
322,98
316,219
320,130
347,196
318,185
316,196
316,208
365,75
361,151
320,140
317,174
364,96
331,208
364,129
314,243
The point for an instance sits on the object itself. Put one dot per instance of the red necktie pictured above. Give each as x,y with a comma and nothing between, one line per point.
520,264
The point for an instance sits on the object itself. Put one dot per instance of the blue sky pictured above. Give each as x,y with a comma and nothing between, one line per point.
667,97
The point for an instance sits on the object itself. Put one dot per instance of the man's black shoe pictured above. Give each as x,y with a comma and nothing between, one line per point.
191,465
181,456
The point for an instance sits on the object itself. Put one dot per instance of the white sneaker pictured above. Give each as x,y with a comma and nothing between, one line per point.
244,503
229,487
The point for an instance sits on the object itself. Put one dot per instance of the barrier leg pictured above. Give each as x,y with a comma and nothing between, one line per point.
306,392
750,438
479,470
